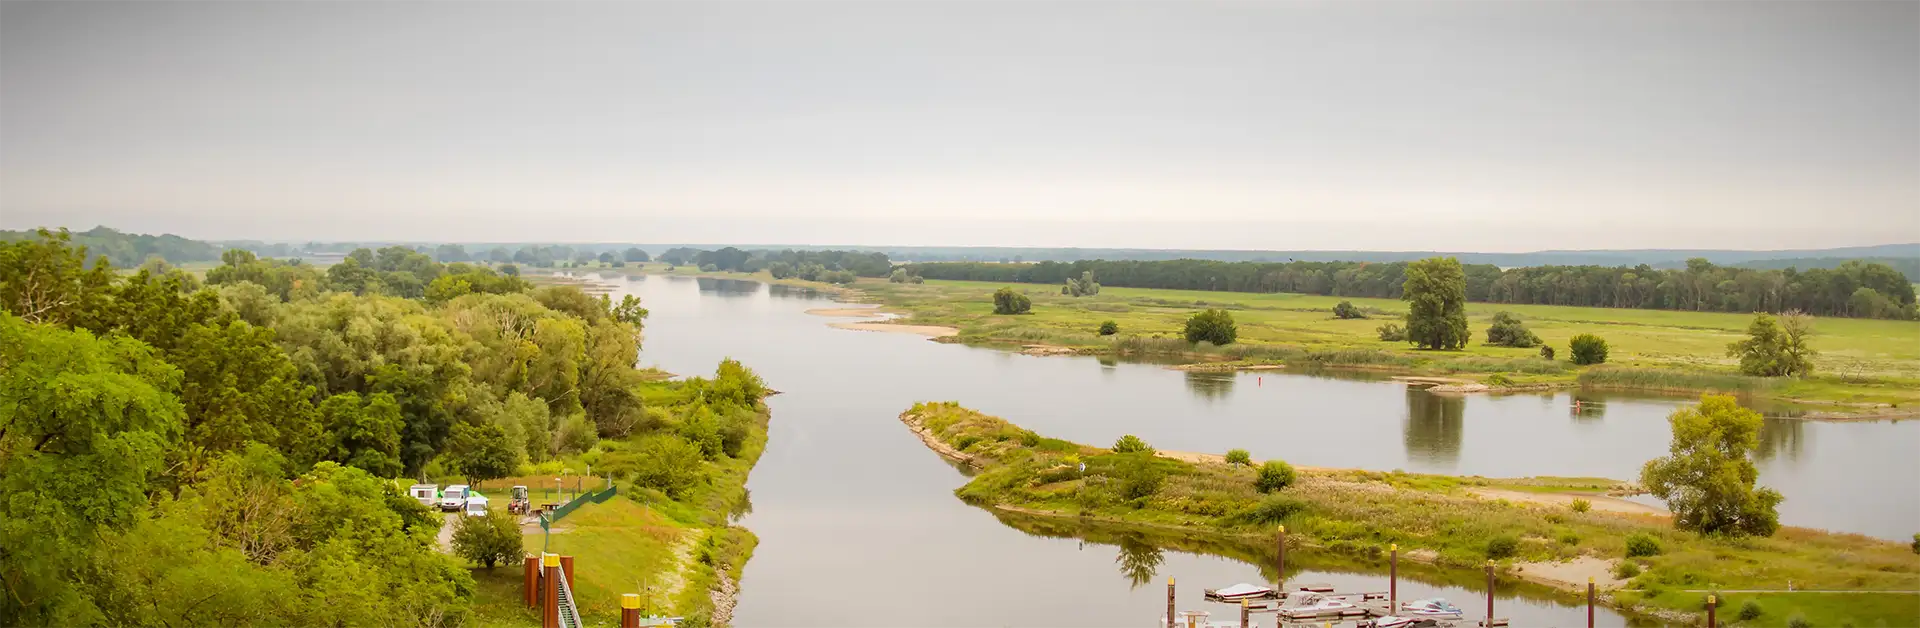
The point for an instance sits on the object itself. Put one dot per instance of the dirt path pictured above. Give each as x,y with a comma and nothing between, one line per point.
445,541
676,578
1601,503
934,331
1572,574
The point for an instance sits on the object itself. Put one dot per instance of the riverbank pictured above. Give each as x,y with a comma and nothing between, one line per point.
1866,368
1437,519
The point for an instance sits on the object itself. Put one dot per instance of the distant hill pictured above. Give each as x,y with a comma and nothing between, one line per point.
127,250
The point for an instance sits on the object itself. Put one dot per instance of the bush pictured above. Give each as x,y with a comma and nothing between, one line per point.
1916,543
1274,475
1271,510
1581,505
708,268
1502,547
1499,379
1109,328
662,462
1588,349
1751,611
1507,331
1642,544
1214,326
1131,444
1546,352
1240,456
1006,301
1569,538
1798,621
1346,310
1626,570
1392,332
1139,476
489,540
842,277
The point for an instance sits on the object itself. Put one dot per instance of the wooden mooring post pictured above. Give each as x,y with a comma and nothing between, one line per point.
1170,618
1712,601
532,581
1393,577
1243,614
550,591
630,610
1280,563
1589,601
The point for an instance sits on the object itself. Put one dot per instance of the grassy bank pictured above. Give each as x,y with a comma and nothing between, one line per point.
1861,361
679,551
1437,519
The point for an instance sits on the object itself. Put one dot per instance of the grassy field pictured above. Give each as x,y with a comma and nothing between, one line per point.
1360,513
1861,360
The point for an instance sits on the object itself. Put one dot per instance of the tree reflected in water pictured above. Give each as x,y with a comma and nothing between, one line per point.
1139,561
1209,386
1434,426
1779,436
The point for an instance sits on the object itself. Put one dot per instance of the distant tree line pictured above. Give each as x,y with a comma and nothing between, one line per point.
1855,289
860,263
128,250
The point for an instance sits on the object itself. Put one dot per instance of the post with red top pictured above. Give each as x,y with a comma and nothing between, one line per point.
1711,603
1170,618
532,581
550,591
1393,577
630,610
1589,601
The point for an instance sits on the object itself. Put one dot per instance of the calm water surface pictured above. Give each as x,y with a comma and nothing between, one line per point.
859,527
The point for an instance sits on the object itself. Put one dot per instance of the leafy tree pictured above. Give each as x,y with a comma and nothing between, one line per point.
780,270
1501,547
450,253
1346,310
663,462
1274,475
239,387
575,435
1130,444
535,425
482,452
1436,292
1775,347
1084,286
634,255
1546,352
488,541
1214,326
1139,475
1392,332
1006,301
1239,457
251,302
1108,328
607,257
86,422
1707,478
1508,331
1587,349
363,433
842,277
903,275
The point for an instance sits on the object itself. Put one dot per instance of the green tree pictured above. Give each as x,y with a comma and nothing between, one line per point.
1707,478
84,424
1084,286
575,435
1508,331
1587,349
1130,444
1108,328
1392,332
1006,301
1346,310
1546,352
1436,292
1274,475
1214,326
1239,457
482,452
363,434
489,540
663,462
45,279
634,255
239,386
1776,347
780,270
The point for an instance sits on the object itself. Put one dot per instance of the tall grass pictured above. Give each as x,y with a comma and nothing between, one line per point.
1665,379
1476,364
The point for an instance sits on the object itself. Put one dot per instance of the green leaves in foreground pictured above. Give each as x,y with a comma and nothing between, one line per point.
1707,478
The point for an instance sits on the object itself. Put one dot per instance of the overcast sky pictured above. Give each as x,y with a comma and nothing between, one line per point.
1492,126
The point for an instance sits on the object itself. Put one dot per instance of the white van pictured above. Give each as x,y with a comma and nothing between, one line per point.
477,505
427,494
454,498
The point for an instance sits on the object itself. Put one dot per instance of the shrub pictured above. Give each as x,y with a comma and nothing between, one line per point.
1507,331
489,540
1109,328
1569,538
1392,332
1916,543
1751,610
1498,379
1626,570
1502,547
1346,310
708,268
1588,349
1546,352
842,277
1798,621
1006,301
1139,476
1274,475
663,462
1214,326
964,442
1271,510
1131,444
1642,544
1581,505
1240,456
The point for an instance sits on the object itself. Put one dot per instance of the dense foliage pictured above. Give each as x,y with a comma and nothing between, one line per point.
1082,286
1587,349
1345,310
1436,295
1707,478
127,250
1108,328
1776,347
1006,301
1214,326
1508,331
1274,475
1858,289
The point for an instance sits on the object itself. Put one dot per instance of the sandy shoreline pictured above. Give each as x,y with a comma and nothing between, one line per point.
933,331
854,312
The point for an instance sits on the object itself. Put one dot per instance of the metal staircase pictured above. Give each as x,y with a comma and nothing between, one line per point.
569,613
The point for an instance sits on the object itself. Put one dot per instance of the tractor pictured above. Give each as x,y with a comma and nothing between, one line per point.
520,504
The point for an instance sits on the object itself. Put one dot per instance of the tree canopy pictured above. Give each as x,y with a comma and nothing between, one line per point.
1436,294
1776,347
1707,477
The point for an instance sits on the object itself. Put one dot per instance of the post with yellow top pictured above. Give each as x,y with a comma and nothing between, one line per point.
1712,602
1280,566
1393,577
550,590
1243,613
1589,601
1170,617
630,610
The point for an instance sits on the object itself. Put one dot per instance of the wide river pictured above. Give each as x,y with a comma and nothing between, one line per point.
858,524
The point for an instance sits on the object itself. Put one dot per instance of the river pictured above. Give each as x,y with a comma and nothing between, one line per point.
858,525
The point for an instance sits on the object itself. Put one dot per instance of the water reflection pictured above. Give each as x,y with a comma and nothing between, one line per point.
1139,560
729,287
1210,386
1434,426
1587,406
1781,436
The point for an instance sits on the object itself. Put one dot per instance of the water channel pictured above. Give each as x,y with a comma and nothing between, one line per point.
858,525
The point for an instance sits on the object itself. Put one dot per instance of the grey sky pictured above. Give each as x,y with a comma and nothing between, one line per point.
1496,126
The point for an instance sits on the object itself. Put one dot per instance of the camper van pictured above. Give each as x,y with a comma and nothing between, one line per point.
427,494
477,505
454,498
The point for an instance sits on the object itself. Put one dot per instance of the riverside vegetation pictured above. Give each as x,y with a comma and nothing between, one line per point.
1432,518
230,450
